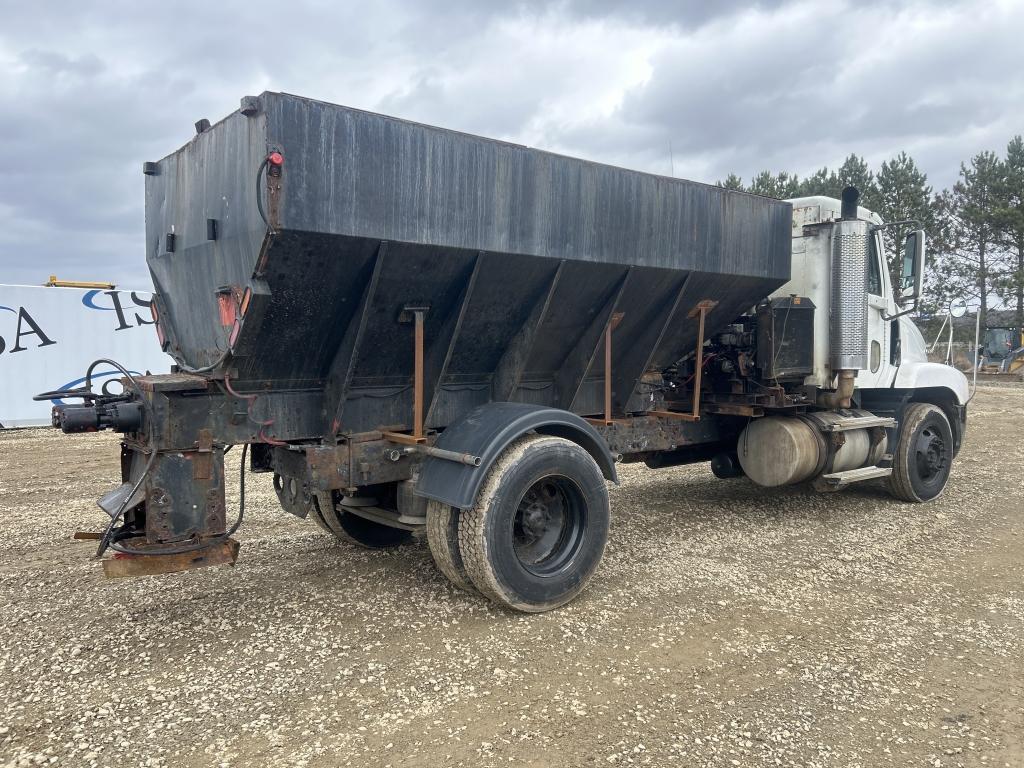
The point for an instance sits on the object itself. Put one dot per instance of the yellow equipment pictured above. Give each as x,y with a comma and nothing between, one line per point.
53,282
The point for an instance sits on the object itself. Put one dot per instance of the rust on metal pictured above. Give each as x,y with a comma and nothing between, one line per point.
700,311
172,382
274,184
734,409
603,422
678,415
417,418
404,439
613,322
88,535
202,461
702,308
226,307
415,314
124,565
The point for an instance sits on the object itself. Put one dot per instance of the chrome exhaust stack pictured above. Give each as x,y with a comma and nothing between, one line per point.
848,329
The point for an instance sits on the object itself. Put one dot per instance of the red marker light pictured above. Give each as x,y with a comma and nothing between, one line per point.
275,158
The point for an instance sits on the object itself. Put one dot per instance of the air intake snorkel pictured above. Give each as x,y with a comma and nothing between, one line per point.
849,198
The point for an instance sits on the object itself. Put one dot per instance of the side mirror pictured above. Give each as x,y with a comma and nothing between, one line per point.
913,264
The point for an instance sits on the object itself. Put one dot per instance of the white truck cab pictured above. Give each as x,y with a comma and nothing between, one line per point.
867,353
897,355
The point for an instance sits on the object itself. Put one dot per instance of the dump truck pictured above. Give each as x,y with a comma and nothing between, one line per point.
427,334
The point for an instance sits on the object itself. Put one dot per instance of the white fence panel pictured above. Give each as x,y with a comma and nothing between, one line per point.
49,336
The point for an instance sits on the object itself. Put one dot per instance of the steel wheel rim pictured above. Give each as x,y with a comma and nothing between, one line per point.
930,454
548,527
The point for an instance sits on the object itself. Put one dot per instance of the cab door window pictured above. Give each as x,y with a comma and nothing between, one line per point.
874,268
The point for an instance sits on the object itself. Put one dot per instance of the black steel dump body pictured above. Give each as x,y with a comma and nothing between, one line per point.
519,257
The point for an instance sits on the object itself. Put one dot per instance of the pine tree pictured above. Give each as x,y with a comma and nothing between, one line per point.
732,181
971,266
781,185
818,183
1010,219
854,172
902,193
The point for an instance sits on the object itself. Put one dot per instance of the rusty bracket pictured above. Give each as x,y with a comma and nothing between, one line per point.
415,314
403,438
123,565
202,464
613,323
699,311
677,415
274,184
734,409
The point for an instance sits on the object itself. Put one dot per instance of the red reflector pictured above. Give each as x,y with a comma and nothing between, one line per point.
226,306
275,158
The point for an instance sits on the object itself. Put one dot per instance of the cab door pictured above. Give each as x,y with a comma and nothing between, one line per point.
879,371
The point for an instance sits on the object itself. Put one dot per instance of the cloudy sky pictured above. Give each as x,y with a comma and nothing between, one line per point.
92,89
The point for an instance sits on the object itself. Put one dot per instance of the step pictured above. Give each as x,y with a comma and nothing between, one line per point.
860,422
836,480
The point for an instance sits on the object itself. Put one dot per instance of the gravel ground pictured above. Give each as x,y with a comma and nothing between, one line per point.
728,626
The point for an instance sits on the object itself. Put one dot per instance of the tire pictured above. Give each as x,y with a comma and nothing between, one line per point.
443,540
319,501
726,466
538,530
923,454
353,529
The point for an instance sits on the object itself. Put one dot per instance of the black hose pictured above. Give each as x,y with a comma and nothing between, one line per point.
108,535
206,368
124,372
106,539
259,192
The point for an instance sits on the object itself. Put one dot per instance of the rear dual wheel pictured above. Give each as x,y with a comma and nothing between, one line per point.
443,540
537,532
352,529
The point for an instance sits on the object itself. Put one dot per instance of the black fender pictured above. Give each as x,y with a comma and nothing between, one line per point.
487,431
893,402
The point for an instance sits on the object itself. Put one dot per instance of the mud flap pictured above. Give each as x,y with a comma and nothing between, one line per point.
112,500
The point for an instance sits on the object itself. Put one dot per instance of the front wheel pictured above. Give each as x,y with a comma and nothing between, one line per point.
538,530
923,455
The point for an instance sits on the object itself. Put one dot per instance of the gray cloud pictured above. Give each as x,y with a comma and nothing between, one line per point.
92,90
